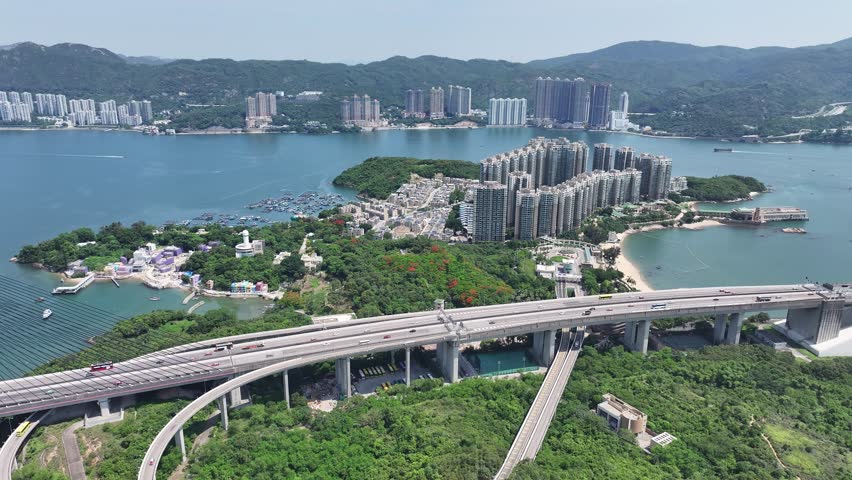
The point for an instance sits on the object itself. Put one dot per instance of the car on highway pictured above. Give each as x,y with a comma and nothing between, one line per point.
214,364
99,367
252,347
386,336
412,330
117,382
491,322
587,313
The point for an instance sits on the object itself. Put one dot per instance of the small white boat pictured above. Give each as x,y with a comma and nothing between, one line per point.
154,299
46,314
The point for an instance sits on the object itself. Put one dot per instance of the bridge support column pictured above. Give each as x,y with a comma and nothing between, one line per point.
235,396
643,331
103,404
629,335
342,374
818,324
544,346
223,411
285,377
735,324
407,366
448,358
181,444
719,328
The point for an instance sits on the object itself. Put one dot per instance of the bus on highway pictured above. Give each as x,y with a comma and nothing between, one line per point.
22,428
223,346
97,367
604,297
764,299
658,306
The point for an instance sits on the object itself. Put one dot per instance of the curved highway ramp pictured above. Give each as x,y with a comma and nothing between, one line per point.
531,434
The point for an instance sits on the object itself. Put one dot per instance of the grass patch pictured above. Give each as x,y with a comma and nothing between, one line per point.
177,327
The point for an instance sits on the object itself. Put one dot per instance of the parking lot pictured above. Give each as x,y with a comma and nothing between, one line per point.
370,383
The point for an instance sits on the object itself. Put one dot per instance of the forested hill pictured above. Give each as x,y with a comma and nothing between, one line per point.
696,90
378,177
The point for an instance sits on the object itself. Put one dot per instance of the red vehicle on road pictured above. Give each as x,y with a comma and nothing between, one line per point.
99,367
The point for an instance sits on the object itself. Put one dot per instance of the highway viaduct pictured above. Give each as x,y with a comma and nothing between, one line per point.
811,308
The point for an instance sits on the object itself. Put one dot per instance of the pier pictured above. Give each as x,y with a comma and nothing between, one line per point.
195,307
115,282
75,288
188,298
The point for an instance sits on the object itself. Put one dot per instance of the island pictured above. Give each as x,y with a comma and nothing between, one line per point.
725,188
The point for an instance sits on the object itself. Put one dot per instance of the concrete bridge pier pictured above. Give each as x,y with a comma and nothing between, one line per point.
408,366
735,324
448,359
719,326
285,377
629,335
181,444
544,346
236,398
223,411
342,375
643,332
819,324
103,404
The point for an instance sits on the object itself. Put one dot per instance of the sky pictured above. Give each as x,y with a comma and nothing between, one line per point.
367,30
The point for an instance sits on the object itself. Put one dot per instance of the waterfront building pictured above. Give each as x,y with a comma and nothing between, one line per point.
507,111
4,97
360,111
578,106
260,105
623,103
603,157
489,212
599,105
678,184
27,98
148,112
656,175
14,97
414,104
436,103
624,158
549,98
458,101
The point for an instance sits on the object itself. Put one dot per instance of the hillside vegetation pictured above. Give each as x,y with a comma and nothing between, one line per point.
722,189
705,91
717,402
378,177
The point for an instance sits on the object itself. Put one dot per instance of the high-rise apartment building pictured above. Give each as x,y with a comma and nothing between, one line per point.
562,102
458,101
27,98
656,176
14,97
507,111
603,157
624,158
260,105
148,112
489,212
624,103
526,214
516,181
549,191
360,110
4,97
436,103
578,107
414,104
599,105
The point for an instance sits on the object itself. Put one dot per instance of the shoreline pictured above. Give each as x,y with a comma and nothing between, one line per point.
626,266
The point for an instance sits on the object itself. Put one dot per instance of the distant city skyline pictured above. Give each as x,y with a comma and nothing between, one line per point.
307,31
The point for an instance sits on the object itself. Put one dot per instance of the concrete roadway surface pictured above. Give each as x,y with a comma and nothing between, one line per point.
13,444
202,361
531,435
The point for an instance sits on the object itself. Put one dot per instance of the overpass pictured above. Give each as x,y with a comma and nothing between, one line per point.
812,309
248,357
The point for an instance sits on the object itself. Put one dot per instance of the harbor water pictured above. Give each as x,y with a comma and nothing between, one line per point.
60,180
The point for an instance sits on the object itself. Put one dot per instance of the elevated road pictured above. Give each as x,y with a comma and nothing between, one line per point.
532,432
201,361
13,444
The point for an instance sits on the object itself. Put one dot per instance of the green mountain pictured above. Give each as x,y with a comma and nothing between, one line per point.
715,90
